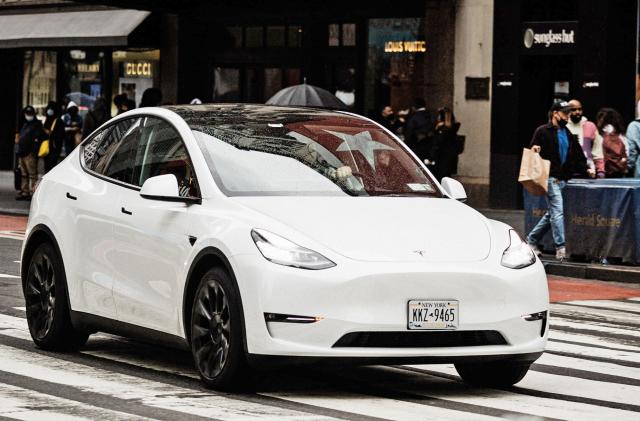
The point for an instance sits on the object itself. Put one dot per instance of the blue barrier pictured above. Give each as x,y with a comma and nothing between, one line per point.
602,218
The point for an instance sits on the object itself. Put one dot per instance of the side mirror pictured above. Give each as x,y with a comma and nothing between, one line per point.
164,187
454,189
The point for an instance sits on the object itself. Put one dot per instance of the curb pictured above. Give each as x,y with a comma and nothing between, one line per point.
592,271
14,212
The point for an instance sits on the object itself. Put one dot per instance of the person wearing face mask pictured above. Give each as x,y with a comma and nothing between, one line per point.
54,128
561,147
72,127
588,138
28,140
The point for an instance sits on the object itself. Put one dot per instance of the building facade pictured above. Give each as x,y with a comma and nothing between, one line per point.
492,61
546,50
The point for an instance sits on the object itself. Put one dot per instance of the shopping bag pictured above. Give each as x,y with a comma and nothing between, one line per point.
534,171
43,150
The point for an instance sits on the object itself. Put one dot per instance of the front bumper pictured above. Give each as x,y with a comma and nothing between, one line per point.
372,297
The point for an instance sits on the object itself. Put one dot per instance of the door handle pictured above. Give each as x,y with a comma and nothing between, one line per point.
71,197
126,212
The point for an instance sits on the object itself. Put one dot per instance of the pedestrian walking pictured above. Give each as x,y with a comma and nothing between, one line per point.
28,141
633,139
72,127
96,117
419,131
614,144
561,147
54,129
588,138
445,145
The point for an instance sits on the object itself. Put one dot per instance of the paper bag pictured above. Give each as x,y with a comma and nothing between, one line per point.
534,171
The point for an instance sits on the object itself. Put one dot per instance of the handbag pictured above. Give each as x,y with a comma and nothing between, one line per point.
534,171
44,149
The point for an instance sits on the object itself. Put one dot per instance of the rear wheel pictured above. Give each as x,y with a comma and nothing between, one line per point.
45,293
216,332
494,373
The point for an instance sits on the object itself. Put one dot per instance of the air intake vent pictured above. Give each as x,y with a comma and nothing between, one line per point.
438,339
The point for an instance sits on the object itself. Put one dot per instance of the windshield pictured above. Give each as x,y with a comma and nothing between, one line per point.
324,155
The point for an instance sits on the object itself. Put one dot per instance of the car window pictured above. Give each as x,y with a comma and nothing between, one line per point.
321,155
120,166
97,152
162,151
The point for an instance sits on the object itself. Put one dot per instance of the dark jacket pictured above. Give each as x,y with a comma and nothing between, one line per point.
419,127
418,134
56,138
546,136
31,134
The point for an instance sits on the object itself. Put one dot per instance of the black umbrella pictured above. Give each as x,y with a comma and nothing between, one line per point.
307,95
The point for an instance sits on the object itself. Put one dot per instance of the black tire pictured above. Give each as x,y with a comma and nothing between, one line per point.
503,373
45,293
217,333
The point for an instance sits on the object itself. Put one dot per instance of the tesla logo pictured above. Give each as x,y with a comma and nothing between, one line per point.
422,253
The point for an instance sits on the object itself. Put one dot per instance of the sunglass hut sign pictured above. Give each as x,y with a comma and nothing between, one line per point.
549,37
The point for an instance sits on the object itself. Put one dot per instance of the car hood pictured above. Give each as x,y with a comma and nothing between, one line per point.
383,228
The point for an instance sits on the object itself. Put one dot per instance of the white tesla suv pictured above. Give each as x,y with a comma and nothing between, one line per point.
256,234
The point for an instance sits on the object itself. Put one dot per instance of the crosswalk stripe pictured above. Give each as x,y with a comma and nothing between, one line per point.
637,299
118,387
515,399
5,275
608,316
593,366
589,340
168,377
600,308
585,374
618,348
585,350
623,305
601,330
578,390
25,404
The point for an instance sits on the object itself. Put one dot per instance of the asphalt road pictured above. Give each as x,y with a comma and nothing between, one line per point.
591,371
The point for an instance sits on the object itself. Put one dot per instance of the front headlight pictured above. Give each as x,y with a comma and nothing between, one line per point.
283,252
518,255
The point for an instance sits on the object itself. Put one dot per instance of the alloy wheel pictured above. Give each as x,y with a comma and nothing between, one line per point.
211,328
40,294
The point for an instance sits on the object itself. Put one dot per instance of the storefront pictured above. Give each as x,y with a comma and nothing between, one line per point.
545,50
367,57
75,55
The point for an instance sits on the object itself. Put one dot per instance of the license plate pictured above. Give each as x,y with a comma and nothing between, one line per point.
433,314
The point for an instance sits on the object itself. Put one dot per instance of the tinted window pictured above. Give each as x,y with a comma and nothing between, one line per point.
100,149
120,166
161,151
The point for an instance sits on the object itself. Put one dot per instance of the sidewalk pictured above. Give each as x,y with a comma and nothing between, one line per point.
8,203
615,273
514,218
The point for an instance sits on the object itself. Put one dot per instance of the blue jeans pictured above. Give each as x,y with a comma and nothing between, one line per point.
553,218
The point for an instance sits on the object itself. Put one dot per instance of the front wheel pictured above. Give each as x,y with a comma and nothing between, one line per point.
494,373
216,332
45,293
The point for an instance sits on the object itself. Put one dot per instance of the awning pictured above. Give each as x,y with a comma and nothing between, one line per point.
69,29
